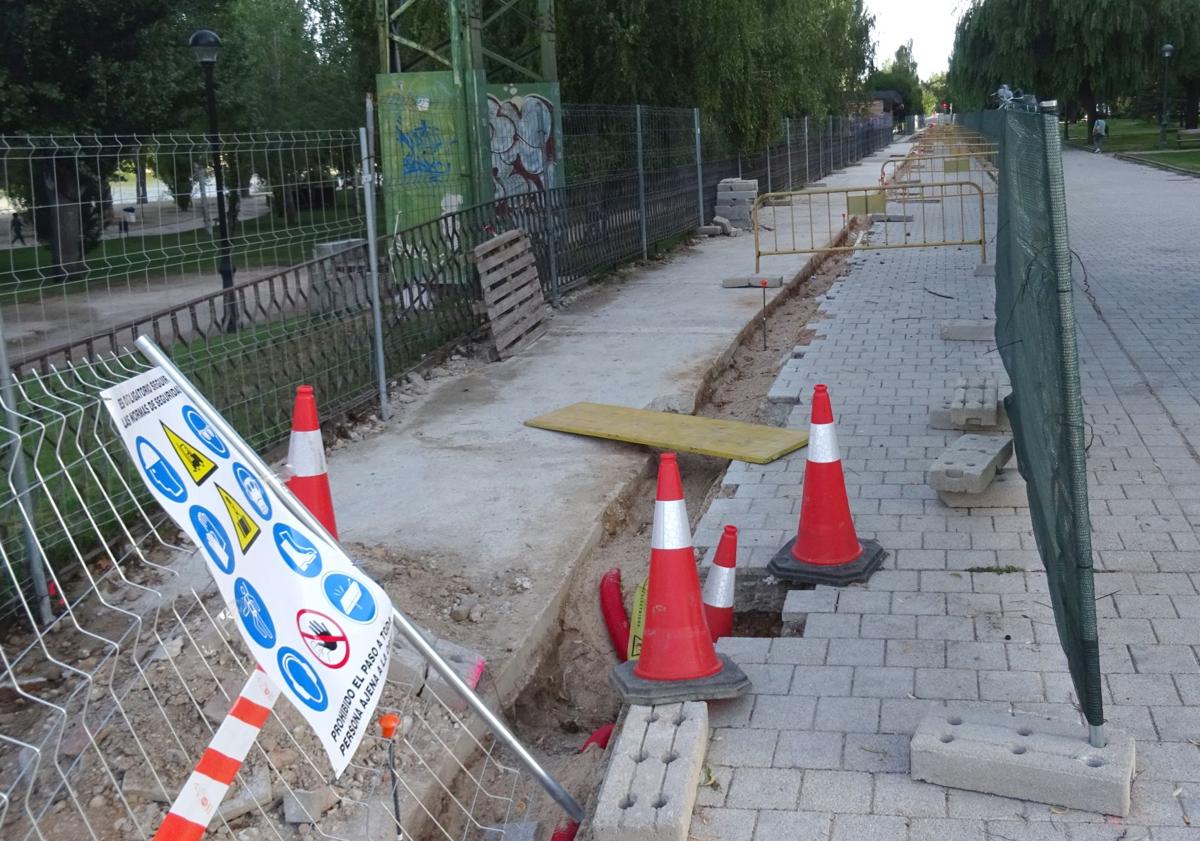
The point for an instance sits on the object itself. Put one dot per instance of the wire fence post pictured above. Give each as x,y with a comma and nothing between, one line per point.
699,167
548,219
807,179
34,562
768,153
368,182
787,135
641,169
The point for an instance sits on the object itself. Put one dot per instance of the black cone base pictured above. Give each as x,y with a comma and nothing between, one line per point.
786,568
730,682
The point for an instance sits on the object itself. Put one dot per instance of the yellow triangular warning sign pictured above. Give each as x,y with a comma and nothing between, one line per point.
197,464
243,525
637,623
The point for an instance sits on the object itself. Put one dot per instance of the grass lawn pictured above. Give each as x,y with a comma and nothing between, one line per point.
1189,159
1124,135
23,271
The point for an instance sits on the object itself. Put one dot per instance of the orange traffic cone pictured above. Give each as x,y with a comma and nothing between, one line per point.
718,587
678,661
826,549
306,460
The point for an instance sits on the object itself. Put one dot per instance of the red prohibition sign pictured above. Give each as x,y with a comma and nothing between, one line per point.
324,638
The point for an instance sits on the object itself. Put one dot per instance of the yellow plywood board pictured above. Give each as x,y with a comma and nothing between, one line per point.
750,442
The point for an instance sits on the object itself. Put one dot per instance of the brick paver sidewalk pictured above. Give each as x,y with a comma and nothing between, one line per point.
820,750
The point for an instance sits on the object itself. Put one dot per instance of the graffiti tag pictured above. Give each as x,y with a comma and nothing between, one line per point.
427,152
523,145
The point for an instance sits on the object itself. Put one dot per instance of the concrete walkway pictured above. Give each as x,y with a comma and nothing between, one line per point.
820,750
466,480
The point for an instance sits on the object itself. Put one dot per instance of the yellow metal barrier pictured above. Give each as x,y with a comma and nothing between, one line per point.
929,215
938,168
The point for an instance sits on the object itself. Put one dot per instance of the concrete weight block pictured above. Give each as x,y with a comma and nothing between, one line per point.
1025,757
1007,490
970,463
650,786
967,331
973,404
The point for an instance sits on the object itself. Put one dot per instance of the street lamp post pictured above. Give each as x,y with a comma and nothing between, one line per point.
1168,50
206,46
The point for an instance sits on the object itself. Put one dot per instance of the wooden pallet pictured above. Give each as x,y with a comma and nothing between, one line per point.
512,292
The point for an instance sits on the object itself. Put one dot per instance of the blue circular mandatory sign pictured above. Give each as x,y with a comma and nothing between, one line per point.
253,613
350,597
302,679
205,432
213,537
297,551
160,472
255,493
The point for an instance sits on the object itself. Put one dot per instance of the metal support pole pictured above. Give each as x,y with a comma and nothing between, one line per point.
549,221
368,182
641,182
409,631
224,249
768,168
807,180
787,138
699,167
34,562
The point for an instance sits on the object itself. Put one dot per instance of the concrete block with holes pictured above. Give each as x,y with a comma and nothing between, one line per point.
973,404
650,786
1026,757
969,464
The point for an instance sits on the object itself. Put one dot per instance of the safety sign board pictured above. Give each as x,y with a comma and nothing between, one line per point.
316,624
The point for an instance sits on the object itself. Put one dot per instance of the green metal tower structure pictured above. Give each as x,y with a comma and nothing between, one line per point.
442,65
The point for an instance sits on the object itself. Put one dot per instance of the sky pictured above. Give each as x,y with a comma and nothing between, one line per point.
929,23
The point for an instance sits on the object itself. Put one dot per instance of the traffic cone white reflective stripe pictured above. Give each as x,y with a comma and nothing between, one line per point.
822,443
309,480
719,586
671,529
204,790
306,453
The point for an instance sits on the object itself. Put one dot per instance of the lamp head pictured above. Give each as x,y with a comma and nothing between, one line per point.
205,45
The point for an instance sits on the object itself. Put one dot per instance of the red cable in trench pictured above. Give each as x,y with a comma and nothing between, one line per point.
612,606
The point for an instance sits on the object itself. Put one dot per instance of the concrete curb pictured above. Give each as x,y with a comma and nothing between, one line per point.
1133,159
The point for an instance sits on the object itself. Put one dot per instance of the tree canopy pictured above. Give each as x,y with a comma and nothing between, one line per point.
771,58
900,74
1081,52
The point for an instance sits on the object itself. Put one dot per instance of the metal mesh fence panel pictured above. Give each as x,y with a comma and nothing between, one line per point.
111,226
1036,335
109,704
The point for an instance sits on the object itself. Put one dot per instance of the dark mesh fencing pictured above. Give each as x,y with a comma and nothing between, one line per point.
1035,332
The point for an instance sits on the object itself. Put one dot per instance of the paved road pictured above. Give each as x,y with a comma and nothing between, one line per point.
820,751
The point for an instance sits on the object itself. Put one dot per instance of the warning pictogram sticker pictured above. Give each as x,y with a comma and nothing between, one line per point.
244,527
197,464
637,623
324,638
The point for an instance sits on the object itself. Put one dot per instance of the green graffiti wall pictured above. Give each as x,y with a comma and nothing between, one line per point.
423,147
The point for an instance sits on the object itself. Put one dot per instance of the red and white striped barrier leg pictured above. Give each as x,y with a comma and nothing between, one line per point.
204,790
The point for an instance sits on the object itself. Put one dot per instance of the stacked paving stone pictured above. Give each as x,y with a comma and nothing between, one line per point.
735,200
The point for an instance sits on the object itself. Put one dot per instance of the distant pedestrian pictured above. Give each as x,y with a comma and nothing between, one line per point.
17,230
1099,129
